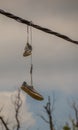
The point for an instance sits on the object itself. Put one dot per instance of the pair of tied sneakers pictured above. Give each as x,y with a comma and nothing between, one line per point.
28,50
31,91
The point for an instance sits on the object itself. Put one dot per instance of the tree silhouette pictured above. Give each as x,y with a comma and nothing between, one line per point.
74,106
49,109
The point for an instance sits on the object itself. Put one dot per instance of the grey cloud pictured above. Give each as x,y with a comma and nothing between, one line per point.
34,9
55,7
54,60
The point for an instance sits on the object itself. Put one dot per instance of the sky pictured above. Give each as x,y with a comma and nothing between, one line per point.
55,60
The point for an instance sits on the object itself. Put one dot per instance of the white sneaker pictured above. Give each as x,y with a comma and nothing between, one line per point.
28,50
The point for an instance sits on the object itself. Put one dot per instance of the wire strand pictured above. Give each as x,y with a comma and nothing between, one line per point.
31,68
27,34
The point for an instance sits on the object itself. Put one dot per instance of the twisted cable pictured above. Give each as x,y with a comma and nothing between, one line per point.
46,30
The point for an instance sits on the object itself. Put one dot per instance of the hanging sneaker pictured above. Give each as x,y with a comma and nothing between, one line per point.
31,91
27,53
28,50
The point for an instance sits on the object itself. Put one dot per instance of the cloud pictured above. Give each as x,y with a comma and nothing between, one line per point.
34,9
53,8
8,112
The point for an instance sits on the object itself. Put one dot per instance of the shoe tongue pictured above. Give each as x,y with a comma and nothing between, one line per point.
24,83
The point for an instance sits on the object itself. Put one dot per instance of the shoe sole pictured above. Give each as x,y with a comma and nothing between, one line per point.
32,92
27,54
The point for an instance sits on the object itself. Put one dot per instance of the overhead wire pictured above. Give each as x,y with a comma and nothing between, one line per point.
46,30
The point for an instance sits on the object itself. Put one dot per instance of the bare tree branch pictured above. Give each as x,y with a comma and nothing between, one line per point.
17,104
74,106
4,123
46,30
49,111
44,119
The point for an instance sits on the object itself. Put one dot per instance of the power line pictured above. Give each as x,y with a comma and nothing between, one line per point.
46,30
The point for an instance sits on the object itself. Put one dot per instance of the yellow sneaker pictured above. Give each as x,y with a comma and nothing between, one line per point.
27,53
31,91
